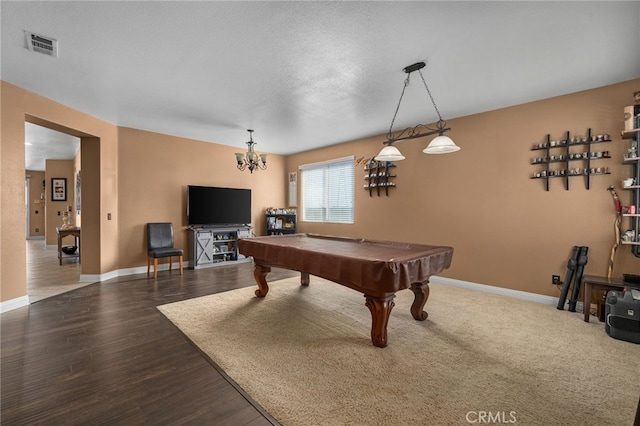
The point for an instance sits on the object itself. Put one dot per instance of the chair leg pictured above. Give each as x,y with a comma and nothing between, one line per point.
170,263
148,264
155,267
180,261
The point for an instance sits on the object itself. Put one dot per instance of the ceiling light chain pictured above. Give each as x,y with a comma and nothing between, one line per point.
393,120
431,97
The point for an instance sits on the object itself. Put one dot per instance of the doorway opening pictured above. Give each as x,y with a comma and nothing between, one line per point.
53,154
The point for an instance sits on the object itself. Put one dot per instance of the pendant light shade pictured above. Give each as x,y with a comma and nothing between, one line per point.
441,145
389,153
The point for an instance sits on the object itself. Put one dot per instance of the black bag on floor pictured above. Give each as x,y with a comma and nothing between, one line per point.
622,315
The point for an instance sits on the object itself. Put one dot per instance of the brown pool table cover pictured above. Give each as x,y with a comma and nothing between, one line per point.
377,268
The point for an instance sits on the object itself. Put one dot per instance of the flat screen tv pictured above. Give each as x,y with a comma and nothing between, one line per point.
212,206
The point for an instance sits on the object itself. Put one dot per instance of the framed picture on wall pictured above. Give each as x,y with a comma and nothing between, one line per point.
58,189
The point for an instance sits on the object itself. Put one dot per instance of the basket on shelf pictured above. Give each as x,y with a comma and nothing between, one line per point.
69,249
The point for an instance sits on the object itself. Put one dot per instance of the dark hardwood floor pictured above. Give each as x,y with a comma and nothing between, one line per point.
103,354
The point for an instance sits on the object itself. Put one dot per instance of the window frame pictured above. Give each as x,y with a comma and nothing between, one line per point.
328,195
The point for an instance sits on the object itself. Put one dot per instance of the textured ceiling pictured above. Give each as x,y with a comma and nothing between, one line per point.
312,74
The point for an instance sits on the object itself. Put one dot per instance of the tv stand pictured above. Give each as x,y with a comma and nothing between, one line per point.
216,245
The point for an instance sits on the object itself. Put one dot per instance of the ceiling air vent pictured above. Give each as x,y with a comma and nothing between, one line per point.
42,44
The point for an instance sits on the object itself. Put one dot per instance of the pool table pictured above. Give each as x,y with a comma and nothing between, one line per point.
378,269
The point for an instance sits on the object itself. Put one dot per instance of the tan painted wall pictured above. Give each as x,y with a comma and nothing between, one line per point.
37,205
12,225
103,256
154,172
506,230
100,253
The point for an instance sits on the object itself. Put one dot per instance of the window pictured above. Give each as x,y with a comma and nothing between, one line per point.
328,191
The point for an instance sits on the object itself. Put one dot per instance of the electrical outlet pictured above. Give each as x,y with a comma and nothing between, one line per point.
555,279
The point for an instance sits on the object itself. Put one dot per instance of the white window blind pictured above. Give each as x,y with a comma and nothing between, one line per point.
328,191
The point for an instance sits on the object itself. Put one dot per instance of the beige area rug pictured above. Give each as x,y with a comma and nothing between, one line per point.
305,355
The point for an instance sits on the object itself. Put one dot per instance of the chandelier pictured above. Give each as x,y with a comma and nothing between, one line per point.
439,145
250,160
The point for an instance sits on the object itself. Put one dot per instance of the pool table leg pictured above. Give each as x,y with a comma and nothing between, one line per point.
304,278
421,294
380,308
260,273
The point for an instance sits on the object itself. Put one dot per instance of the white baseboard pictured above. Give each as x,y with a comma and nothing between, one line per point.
92,278
531,297
10,305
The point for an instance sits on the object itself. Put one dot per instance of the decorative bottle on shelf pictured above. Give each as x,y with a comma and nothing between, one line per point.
67,222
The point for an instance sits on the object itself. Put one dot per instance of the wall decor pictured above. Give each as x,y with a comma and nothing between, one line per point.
378,177
574,163
58,189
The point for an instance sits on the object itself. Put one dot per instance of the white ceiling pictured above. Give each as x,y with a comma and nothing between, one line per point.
42,144
311,74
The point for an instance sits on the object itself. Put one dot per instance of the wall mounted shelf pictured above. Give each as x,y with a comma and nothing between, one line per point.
378,177
561,152
631,232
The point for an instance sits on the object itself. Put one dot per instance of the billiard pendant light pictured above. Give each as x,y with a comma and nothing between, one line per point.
439,145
